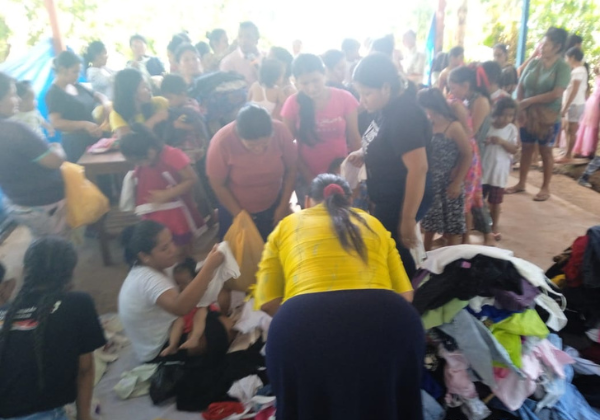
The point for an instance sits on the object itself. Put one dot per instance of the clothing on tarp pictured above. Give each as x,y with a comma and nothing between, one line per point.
572,268
136,382
442,315
512,301
591,259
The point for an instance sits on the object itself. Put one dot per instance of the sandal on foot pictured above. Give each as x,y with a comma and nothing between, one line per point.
541,197
514,190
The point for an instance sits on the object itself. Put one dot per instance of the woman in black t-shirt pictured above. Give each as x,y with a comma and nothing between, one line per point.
394,151
47,338
71,106
30,174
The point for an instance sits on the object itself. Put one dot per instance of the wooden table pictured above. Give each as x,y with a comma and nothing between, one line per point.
111,163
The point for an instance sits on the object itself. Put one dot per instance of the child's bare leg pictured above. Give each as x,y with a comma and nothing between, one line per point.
454,239
174,337
428,240
193,340
469,219
224,301
495,212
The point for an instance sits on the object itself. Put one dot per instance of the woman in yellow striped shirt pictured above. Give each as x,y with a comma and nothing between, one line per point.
345,343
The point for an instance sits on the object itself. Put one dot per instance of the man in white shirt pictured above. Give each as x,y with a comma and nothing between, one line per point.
414,61
246,59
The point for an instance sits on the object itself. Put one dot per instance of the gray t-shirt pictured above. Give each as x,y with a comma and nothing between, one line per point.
538,80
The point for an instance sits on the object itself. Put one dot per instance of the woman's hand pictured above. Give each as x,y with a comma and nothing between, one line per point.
93,129
159,196
357,158
281,211
454,190
407,232
524,104
214,259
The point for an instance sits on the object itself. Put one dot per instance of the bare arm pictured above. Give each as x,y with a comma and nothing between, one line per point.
408,295
85,386
544,98
509,147
52,160
225,196
180,304
188,180
463,117
572,92
272,307
289,184
352,134
459,136
416,165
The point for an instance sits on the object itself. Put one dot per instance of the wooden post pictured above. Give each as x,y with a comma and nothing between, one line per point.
462,23
57,38
440,15
522,47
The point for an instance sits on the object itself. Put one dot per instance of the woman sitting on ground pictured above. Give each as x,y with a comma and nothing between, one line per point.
134,103
251,165
48,337
150,300
332,278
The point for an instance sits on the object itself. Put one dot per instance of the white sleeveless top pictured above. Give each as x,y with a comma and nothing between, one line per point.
265,103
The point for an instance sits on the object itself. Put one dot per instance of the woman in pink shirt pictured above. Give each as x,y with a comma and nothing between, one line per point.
251,165
323,120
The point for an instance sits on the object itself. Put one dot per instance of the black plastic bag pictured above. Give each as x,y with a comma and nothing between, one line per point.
163,384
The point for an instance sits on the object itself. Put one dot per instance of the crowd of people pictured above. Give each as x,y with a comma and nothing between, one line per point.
224,129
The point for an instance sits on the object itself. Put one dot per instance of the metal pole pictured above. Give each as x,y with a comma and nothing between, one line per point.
522,47
57,38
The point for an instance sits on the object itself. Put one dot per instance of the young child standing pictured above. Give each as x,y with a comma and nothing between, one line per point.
450,160
502,143
28,113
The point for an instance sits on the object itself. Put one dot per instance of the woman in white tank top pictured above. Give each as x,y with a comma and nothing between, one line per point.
267,92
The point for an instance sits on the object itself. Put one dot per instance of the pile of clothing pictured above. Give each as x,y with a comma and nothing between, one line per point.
493,351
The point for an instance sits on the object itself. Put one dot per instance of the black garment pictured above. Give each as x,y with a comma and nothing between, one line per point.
155,67
589,386
347,88
347,355
591,259
364,121
24,181
73,108
463,279
72,330
207,380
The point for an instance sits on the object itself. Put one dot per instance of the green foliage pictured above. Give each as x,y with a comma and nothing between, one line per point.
5,32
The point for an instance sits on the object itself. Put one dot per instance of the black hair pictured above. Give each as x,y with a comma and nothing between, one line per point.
137,37
440,62
573,40
502,47
141,237
48,264
493,71
175,42
332,57
456,52
66,60
5,83
434,100
285,57
250,26
173,84
136,144
189,265
93,50
127,82
468,75
23,88
558,36
214,36
253,122
503,104
182,49
376,70
202,48
350,44
384,45
335,165
509,77
341,213
2,272
270,72
304,64
575,53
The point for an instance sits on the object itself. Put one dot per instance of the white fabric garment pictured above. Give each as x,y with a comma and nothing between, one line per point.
127,199
229,269
352,174
146,324
33,119
136,382
251,320
582,366
593,334
496,161
414,65
499,94
557,318
418,252
478,302
265,103
438,259
245,389
578,73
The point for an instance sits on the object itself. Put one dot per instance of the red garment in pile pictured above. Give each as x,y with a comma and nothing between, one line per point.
222,410
573,268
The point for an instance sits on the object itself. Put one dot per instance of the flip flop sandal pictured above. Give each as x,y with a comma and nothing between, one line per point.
514,190
541,197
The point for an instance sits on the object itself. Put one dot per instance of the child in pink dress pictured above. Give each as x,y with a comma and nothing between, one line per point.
587,135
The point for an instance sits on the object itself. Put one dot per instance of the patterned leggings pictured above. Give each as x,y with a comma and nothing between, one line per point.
592,167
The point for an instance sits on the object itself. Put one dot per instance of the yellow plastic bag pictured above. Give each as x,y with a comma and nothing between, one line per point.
85,202
246,245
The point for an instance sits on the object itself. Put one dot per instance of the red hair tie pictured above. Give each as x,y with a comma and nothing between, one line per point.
333,189
482,79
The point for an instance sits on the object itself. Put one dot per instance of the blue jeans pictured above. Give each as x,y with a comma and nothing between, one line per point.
56,414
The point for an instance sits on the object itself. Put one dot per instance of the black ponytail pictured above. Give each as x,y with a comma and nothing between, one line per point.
307,130
48,265
473,75
92,51
140,237
340,211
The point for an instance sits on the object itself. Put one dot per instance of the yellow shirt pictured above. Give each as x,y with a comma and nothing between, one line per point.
116,121
304,255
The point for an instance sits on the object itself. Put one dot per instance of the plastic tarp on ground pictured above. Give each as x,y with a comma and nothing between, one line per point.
35,66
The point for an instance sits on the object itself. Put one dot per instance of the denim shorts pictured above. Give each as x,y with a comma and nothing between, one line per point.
528,138
55,414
